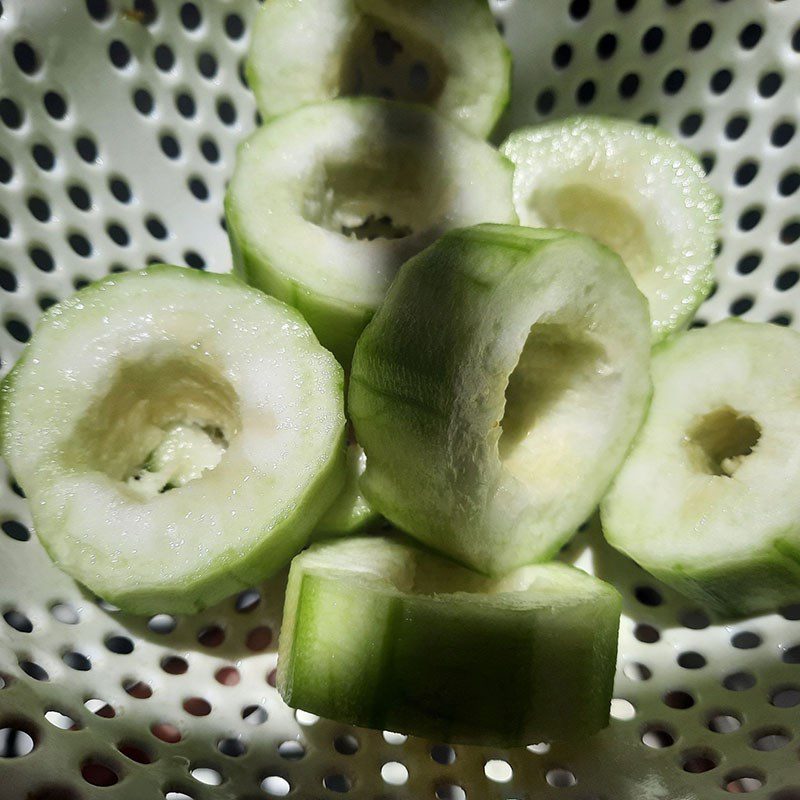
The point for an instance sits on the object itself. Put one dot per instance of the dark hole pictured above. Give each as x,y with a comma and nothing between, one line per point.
55,105
45,302
76,661
739,681
194,260
678,699
782,134
697,763
606,45
98,9
337,783
787,279
26,58
741,306
791,655
198,188
98,774
789,183
232,747
5,227
746,172
226,111
174,665
770,84
346,744
18,621
791,612
80,283
164,57
17,489
788,697
674,81
646,633
562,55
121,645
143,101
118,54
626,5
750,218
211,636
721,80
39,208
190,16
234,26
745,640
653,39
10,113
197,706
18,330
135,752
790,232
751,35
138,689
207,64
649,119
629,85
586,92
748,263
155,227
6,171
43,156
695,619
691,123
796,40
86,149
658,738
169,146
443,754
118,234
545,101
119,189
146,11
80,244
34,670
691,660
736,126
781,319
209,149
80,197
648,596
578,9
8,281
42,259
700,36
185,104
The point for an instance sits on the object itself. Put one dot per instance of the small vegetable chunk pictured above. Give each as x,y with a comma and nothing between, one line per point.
177,433
633,188
497,390
709,498
383,634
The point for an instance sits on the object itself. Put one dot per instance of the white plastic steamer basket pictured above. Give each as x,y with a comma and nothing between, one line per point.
118,125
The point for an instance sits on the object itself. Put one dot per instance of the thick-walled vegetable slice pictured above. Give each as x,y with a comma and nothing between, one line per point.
446,54
386,635
498,389
633,188
709,498
350,512
326,203
178,435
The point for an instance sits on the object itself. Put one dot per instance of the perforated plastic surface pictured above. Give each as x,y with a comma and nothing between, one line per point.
118,124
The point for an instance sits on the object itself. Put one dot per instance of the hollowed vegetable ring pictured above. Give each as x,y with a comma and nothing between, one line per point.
498,389
177,433
385,635
419,51
708,499
327,202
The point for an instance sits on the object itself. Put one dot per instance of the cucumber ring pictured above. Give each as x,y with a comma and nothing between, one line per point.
634,189
499,472
445,54
709,498
178,435
327,202
382,634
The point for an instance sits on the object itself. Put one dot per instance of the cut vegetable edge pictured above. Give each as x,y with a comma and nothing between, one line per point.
384,634
668,244
171,588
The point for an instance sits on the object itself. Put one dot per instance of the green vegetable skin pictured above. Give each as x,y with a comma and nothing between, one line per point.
633,188
327,202
385,635
709,498
178,435
498,477
446,54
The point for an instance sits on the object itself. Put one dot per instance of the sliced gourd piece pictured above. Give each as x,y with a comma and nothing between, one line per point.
383,634
350,512
498,389
178,435
709,498
327,202
633,188
446,54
